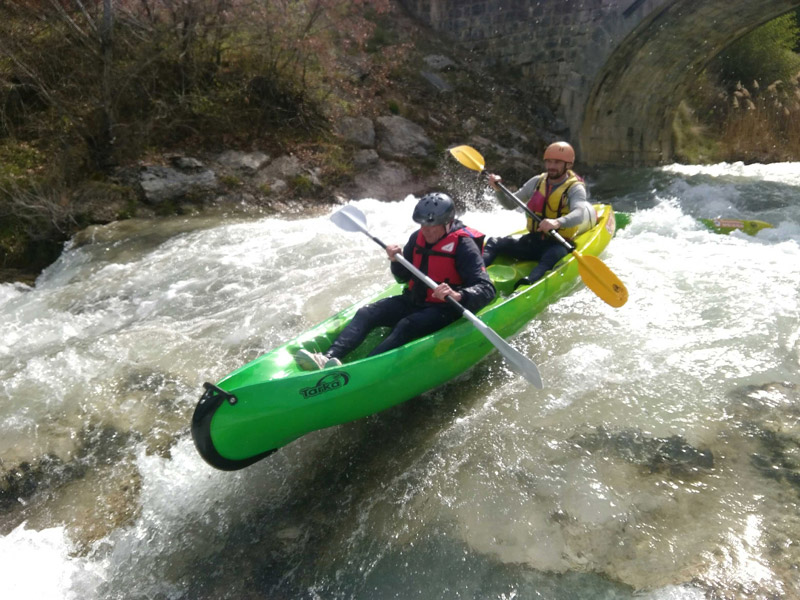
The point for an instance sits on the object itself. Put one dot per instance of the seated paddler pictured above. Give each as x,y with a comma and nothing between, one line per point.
560,199
444,249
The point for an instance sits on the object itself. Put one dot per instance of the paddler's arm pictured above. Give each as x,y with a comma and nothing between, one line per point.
477,290
401,274
523,194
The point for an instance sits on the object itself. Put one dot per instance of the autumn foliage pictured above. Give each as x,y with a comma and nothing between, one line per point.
105,81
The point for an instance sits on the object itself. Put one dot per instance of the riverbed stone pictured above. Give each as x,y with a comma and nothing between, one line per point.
364,158
438,62
386,180
243,161
357,130
163,184
400,138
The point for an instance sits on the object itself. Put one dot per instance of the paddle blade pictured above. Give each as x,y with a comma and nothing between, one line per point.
350,218
469,157
516,360
601,280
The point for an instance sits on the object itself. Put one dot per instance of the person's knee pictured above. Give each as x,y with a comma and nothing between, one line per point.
490,251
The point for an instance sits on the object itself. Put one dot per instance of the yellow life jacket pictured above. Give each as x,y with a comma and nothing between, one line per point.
554,205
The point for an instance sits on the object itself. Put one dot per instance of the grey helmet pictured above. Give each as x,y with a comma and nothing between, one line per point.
434,209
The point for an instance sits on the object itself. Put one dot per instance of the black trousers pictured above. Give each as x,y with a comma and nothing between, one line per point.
410,321
530,246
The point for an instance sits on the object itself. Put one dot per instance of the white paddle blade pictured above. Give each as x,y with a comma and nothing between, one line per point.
518,362
350,218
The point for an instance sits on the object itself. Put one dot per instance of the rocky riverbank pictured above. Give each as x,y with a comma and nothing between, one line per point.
388,151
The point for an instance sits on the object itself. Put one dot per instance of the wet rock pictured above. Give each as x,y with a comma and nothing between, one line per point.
92,507
20,482
25,479
769,418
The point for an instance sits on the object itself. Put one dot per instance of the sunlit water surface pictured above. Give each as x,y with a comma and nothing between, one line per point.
661,461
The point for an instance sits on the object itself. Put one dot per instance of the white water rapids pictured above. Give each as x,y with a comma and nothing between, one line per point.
661,461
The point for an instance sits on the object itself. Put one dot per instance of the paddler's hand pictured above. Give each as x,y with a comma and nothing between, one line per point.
392,251
443,290
493,181
548,225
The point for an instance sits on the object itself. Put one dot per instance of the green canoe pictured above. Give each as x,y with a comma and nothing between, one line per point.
269,402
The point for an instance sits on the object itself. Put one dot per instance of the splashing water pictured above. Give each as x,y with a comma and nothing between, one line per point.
657,463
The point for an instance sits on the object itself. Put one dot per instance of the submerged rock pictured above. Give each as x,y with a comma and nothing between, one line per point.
674,453
770,416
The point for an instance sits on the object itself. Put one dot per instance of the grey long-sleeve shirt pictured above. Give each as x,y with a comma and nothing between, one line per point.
581,213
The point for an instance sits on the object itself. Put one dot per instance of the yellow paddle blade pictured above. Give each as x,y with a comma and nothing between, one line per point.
469,157
601,280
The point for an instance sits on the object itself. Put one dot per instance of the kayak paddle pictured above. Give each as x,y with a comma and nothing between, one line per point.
350,218
593,271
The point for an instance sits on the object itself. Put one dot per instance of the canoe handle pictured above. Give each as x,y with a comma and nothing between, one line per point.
215,396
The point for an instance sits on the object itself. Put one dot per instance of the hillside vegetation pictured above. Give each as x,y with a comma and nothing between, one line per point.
92,90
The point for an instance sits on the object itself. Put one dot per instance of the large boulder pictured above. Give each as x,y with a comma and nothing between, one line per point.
386,180
357,130
400,138
162,184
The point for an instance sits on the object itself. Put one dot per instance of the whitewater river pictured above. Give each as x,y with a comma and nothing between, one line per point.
660,461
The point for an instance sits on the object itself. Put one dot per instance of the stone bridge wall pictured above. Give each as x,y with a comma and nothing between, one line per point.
615,69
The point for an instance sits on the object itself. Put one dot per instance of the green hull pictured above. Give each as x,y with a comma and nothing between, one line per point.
269,402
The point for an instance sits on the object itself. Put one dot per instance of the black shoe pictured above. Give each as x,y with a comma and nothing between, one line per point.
521,282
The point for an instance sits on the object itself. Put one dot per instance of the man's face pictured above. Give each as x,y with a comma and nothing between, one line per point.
433,233
555,168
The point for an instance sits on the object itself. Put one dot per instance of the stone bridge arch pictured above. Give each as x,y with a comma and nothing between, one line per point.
616,69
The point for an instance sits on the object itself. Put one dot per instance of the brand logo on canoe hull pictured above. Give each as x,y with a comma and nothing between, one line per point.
611,225
329,383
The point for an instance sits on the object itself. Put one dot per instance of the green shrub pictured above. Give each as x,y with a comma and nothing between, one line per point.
766,54
301,184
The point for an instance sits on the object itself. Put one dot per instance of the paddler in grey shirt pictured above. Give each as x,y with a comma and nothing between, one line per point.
560,198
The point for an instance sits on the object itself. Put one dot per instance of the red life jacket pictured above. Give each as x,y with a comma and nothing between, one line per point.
442,258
